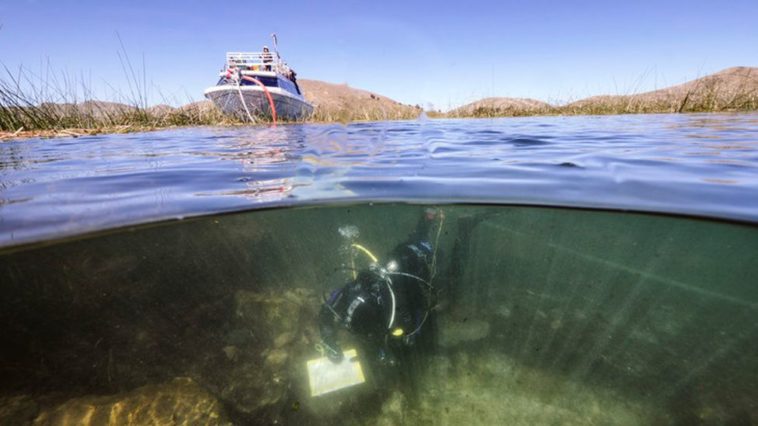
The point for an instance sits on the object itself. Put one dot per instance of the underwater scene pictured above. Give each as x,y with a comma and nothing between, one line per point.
437,314
367,213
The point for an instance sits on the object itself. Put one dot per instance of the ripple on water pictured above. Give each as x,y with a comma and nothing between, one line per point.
693,164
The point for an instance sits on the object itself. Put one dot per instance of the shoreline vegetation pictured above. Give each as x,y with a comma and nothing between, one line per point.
34,113
731,90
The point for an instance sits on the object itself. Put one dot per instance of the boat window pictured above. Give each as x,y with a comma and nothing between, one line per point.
288,85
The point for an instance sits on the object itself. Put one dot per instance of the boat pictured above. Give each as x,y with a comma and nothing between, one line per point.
259,85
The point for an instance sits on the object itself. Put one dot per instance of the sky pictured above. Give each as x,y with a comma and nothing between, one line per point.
431,53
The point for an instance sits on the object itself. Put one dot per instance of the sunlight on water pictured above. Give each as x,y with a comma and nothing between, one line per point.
540,316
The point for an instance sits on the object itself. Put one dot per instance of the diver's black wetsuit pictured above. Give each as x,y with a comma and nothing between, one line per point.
385,306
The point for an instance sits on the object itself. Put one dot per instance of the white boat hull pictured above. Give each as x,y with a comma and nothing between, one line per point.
229,98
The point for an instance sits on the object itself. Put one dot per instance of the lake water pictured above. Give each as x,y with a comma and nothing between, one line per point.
585,270
693,164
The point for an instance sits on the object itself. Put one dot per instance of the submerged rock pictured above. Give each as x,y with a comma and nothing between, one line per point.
276,359
393,410
454,332
231,352
272,329
17,409
284,339
180,401
504,311
492,388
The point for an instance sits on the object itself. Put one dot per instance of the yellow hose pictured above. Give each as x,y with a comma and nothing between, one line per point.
367,252
352,266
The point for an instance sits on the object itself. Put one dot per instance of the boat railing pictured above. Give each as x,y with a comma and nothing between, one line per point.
256,61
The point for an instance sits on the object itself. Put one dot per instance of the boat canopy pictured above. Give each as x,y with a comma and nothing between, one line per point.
263,61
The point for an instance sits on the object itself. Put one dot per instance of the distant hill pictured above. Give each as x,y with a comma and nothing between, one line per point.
499,107
732,89
340,102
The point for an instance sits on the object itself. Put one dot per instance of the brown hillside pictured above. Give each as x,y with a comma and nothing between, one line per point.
732,89
339,102
499,107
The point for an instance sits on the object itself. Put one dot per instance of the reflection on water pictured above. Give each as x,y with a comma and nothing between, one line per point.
267,162
544,316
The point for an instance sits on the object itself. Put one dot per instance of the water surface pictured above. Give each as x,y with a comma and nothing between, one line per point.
693,164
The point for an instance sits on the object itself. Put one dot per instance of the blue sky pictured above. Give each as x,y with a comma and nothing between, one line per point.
441,53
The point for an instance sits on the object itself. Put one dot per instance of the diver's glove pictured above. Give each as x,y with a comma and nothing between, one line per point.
333,352
386,358
409,340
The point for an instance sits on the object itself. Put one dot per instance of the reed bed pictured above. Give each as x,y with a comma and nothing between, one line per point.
32,106
27,109
363,113
731,90
713,102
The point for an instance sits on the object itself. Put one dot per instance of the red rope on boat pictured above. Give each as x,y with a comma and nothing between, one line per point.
268,95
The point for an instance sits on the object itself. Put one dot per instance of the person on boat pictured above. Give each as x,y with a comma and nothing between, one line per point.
386,307
292,76
267,58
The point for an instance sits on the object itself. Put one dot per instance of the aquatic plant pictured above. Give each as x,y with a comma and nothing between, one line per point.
29,103
58,105
362,113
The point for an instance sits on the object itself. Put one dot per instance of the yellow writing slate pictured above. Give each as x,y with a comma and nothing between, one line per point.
326,376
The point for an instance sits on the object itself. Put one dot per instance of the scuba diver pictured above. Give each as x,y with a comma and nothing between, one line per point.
387,306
